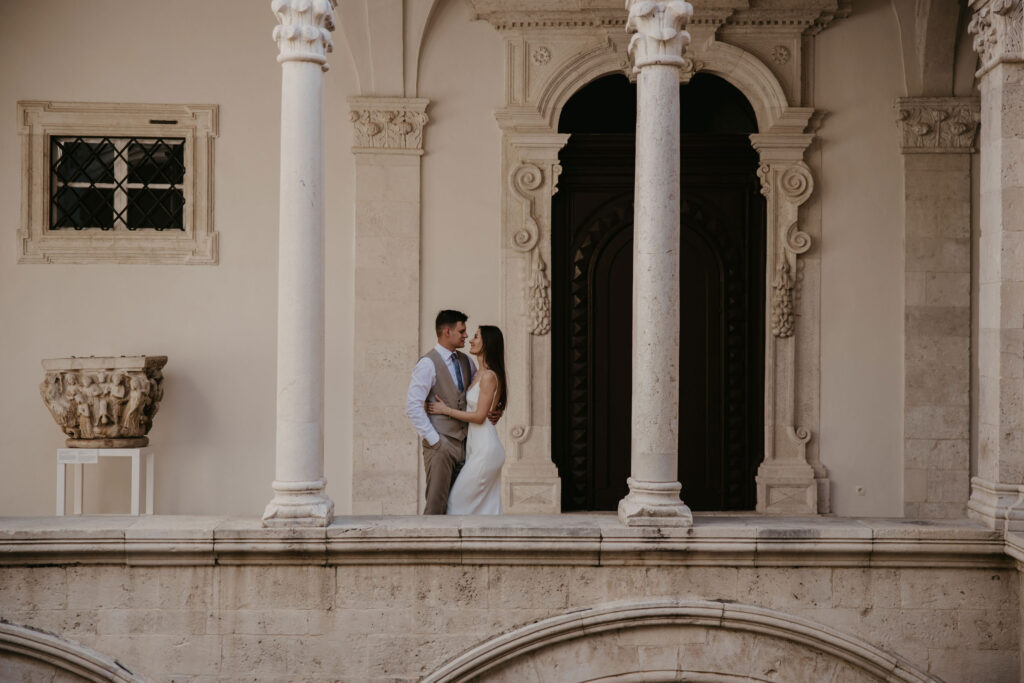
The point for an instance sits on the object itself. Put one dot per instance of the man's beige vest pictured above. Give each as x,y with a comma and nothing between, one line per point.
444,387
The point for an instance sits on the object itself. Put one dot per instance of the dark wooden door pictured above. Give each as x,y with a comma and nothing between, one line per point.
721,332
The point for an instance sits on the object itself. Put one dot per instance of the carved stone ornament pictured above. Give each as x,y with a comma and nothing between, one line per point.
795,184
388,123
104,402
997,29
524,181
780,54
786,278
659,36
541,56
938,124
303,33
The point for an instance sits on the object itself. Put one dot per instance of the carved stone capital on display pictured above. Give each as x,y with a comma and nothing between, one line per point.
303,33
659,32
944,125
391,125
104,402
997,27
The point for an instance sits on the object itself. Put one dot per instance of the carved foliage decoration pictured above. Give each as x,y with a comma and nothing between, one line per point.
304,30
794,184
997,29
938,124
524,181
658,28
384,128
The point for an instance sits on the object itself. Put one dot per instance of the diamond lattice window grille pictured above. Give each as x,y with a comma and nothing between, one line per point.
111,183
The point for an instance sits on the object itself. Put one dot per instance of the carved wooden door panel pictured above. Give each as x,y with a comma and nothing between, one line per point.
721,337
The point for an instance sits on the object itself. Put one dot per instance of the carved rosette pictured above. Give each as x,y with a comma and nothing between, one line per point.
938,124
303,33
997,27
392,124
104,402
659,32
525,181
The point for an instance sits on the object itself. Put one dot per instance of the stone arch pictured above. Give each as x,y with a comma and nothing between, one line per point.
30,651
677,640
734,64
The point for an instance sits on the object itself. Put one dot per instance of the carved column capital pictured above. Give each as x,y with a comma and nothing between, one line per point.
938,125
391,125
997,27
659,32
303,33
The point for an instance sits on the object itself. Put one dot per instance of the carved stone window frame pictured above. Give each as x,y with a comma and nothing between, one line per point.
544,66
197,124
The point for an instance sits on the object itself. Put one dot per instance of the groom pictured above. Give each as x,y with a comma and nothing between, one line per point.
445,372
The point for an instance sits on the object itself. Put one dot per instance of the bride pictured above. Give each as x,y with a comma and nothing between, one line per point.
477,489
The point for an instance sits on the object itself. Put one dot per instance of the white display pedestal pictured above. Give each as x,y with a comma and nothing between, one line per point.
85,456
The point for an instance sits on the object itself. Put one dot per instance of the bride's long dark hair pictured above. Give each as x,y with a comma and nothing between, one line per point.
494,356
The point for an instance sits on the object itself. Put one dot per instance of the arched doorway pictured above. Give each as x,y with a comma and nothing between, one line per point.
722,260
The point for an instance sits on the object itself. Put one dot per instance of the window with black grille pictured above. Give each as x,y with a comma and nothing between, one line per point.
112,183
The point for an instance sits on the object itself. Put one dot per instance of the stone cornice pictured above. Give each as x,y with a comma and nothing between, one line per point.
811,16
943,125
591,540
388,125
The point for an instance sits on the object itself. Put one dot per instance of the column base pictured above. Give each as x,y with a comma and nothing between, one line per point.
299,504
654,503
997,506
787,489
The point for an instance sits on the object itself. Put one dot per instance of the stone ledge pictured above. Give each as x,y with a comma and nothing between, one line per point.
588,540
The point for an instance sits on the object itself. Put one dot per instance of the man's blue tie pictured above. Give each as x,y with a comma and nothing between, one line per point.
458,372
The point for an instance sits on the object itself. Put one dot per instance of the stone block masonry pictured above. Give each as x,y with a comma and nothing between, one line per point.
402,598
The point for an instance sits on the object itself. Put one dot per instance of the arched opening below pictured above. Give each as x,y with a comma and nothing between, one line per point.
700,640
722,262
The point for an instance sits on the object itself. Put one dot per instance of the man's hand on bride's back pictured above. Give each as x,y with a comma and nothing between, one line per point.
496,414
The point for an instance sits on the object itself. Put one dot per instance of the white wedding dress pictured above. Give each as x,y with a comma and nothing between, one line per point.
477,489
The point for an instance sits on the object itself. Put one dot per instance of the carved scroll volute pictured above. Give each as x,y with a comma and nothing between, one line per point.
527,183
790,184
303,33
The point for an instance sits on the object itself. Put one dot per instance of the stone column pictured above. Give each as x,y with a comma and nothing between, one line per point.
937,139
303,38
387,144
657,48
997,494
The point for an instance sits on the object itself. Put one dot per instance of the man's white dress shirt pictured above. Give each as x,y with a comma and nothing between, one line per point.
423,376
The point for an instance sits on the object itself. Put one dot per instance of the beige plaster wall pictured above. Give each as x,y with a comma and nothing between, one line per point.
861,194
461,67
215,429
